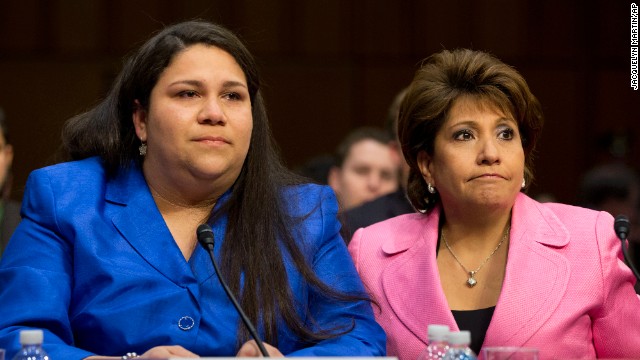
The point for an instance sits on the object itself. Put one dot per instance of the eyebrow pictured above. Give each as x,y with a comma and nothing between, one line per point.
226,84
498,121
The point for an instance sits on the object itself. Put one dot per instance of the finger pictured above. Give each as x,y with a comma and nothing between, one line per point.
162,352
249,349
180,351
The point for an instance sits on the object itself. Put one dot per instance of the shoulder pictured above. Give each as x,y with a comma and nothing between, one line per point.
60,185
568,213
394,235
560,224
401,224
69,173
573,218
305,198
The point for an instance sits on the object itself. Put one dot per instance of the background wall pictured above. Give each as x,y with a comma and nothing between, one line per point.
333,65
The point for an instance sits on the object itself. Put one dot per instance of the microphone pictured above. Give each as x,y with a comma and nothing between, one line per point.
622,226
205,238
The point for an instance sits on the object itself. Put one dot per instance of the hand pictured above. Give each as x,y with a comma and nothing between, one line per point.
158,352
163,352
251,349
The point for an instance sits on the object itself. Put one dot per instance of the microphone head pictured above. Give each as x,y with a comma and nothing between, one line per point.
205,236
621,226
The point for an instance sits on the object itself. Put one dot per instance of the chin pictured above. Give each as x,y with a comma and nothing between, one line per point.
496,201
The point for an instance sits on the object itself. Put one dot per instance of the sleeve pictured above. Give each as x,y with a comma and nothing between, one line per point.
333,265
616,333
36,276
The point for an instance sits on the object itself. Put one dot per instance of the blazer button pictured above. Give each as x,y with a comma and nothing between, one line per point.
186,323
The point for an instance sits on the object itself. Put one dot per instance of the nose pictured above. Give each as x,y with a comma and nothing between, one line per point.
212,112
488,152
374,182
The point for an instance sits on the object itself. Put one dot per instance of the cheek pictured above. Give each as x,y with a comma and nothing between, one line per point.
248,132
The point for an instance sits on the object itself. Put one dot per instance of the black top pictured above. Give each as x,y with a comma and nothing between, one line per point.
476,321
9,219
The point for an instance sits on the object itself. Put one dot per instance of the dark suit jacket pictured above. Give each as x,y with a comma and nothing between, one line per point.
382,208
9,222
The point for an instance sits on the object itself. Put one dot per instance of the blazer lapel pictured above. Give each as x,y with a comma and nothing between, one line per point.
536,275
411,282
140,223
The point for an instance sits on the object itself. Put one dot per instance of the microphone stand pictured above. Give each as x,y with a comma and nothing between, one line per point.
621,228
205,238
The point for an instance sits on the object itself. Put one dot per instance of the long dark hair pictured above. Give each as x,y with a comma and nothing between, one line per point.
255,232
443,78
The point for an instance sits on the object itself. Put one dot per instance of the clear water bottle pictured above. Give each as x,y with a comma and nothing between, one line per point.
459,346
438,344
31,341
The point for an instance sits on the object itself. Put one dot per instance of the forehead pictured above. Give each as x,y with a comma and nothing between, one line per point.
466,105
199,58
368,150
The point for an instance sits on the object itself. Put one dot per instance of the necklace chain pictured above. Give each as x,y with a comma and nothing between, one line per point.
471,281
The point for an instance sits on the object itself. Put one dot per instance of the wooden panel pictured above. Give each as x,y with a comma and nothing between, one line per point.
38,97
560,157
21,27
75,28
380,28
309,107
333,65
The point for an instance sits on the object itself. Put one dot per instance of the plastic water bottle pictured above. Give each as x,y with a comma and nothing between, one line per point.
31,341
459,346
438,345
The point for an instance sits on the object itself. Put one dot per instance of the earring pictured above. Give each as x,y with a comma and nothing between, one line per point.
524,183
143,149
431,189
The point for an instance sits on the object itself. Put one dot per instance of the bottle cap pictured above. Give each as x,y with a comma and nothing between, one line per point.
437,332
460,337
31,337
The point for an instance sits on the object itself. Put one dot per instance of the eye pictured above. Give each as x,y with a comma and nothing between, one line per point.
463,135
188,94
506,134
386,176
361,170
234,96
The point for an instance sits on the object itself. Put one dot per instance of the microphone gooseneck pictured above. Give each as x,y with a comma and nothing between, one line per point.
622,227
205,238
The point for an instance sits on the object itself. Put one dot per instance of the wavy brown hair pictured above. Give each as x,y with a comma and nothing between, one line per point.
438,83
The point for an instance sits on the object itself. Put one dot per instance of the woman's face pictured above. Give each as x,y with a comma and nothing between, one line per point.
478,157
199,121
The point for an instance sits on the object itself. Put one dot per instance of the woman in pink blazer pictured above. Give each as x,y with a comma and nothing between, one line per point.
480,255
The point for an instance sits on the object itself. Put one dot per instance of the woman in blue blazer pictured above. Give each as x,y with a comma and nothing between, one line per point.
106,259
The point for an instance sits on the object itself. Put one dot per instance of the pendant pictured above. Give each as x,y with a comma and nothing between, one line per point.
471,281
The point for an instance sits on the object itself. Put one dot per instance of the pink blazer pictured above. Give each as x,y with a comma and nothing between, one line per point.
566,289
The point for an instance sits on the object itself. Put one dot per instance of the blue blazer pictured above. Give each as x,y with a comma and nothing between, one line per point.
95,266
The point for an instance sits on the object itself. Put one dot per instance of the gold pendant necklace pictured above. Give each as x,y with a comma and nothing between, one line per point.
471,281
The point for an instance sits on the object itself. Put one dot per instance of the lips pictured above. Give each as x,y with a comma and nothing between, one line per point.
213,139
489,176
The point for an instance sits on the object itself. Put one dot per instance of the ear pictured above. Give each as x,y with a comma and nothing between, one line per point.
139,117
333,179
424,161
